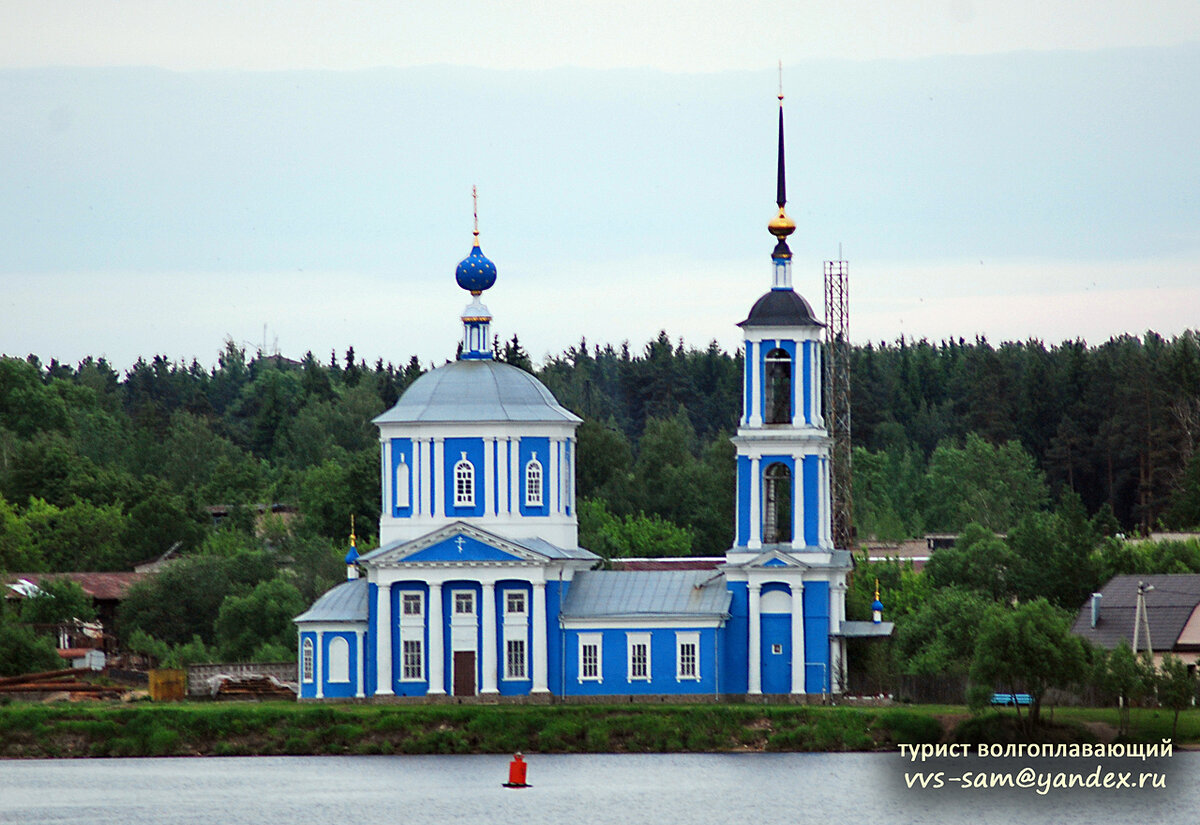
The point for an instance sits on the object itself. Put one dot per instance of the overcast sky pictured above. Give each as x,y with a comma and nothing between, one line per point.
299,173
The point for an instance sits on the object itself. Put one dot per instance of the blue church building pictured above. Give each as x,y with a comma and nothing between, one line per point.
479,586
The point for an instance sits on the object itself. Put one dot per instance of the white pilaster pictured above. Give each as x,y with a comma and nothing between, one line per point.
437,469
756,516
488,654
489,476
433,619
360,653
514,478
537,627
502,476
319,661
798,539
384,630
387,502
798,657
755,687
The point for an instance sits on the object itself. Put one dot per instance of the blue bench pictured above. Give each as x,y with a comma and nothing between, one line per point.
1011,699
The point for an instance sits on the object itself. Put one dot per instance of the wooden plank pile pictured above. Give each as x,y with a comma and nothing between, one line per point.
253,687
57,681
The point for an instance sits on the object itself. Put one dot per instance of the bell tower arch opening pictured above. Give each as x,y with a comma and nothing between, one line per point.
777,504
777,406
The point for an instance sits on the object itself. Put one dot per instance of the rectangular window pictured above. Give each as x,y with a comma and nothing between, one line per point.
639,657
413,665
687,656
590,668
514,602
514,660
464,603
411,604
777,650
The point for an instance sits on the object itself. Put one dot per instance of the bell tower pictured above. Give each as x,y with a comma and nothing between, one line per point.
782,444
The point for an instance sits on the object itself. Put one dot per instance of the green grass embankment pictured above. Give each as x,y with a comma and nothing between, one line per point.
93,729
272,728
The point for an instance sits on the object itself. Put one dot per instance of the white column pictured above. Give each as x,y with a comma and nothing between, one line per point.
538,621
488,654
573,459
437,468
318,660
826,505
360,653
489,476
385,467
755,641
798,656
384,628
798,539
837,609
756,418
756,516
433,619
415,488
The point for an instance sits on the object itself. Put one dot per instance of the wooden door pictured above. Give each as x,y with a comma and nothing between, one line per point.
464,673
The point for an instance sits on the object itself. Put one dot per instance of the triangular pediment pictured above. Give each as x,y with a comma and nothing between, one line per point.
457,543
775,558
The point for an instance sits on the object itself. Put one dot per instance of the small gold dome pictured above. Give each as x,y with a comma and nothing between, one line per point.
781,225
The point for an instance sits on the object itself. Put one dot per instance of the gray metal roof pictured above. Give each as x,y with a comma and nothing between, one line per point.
1168,607
480,390
649,593
866,630
345,603
552,551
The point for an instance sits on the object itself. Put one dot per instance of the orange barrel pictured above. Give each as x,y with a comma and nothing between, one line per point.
516,770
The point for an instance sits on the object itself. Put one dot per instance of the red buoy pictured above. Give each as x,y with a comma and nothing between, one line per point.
516,772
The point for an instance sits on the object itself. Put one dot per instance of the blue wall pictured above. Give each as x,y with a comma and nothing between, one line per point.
735,641
404,688
555,593
816,637
811,501
454,448
525,451
614,663
370,681
743,500
339,689
807,382
514,687
403,447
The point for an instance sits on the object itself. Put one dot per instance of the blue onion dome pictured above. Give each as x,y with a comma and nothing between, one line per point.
352,556
476,272
877,605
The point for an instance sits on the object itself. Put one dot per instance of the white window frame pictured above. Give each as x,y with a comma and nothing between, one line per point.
464,482
516,660
592,640
635,662
407,671
409,597
683,641
534,482
307,670
464,597
512,597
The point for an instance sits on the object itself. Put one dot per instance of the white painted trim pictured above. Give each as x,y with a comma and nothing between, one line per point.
755,657
687,638
488,622
798,651
433,658
647,623
587,639
539,662
633,641
384,625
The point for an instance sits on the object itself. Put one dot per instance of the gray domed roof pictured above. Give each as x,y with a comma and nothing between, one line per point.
781,308
477,390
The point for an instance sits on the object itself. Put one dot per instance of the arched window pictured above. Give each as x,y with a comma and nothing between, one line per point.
777,407
306,660
533,482
402,494
339,659
777,504
464,483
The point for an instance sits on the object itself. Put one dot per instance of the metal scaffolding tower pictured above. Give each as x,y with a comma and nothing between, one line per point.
837,397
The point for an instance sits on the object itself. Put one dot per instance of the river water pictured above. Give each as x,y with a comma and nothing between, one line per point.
696,789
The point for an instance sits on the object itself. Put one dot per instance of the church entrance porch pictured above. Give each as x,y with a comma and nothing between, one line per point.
464,673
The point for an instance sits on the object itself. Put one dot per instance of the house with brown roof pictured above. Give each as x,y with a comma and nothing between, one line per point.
1172,615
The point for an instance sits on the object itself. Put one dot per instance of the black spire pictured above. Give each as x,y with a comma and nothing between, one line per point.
781,188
